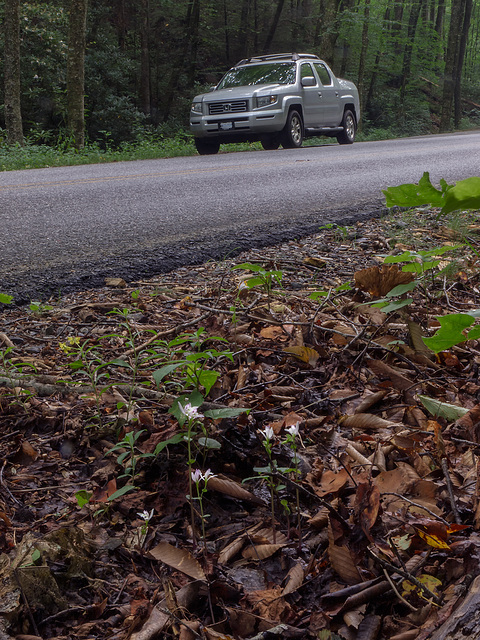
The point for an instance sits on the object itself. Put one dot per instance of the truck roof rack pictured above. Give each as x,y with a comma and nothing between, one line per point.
277,56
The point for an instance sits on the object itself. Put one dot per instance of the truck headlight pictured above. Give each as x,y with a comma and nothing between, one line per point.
197,107
264,101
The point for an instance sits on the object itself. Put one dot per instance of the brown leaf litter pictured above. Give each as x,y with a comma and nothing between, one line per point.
373,532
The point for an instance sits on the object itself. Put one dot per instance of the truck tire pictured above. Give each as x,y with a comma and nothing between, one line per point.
207,147
292,134
270,142
347,136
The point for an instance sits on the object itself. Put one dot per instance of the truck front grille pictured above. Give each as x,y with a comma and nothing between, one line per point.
235,106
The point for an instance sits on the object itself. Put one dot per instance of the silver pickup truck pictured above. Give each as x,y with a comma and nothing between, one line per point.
278,99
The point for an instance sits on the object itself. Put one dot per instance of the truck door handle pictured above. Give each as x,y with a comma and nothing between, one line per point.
319,94
336,94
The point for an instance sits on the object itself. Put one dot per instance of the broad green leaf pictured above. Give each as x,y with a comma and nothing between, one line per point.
254,282
400,289
464,195
227,412
120,492
248,266
394,305
83,497
160,374
450,412
414,195
5,299
474,333
209,443
176,439
406,256
450,333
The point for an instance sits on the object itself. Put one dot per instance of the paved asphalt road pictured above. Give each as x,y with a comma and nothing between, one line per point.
68,228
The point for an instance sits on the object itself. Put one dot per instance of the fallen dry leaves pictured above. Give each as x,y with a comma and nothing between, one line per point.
377,537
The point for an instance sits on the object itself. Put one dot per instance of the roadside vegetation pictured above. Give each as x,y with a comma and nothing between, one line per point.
286,441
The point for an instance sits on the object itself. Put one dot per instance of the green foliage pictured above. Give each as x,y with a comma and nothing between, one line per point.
452,331
264,278
464,195
187,367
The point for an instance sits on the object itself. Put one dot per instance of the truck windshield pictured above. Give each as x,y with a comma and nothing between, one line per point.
278,73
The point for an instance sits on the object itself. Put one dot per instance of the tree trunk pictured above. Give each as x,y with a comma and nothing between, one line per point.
451,62
329,34
407,55
273,26
145,58
13,113
363,53
187,58
460,59
77,25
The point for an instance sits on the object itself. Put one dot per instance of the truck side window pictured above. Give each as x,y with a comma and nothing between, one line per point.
323,74
306,71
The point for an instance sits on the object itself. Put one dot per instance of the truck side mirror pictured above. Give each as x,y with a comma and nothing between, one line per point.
309,81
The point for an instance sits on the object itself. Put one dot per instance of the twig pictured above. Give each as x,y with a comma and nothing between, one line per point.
164,334
448,481
415,504
387,565
394,587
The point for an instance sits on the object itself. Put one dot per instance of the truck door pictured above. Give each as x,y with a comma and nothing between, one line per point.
330,97
312,102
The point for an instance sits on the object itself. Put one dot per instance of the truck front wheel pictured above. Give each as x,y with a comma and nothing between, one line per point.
292,134
207,147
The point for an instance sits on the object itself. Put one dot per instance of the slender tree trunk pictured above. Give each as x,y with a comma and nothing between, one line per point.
187,58
363,53
13,112
451,62
329,30
460,59
407,55
273,26
145,58
76,71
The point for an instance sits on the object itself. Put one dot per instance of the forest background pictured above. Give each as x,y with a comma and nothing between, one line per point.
112,73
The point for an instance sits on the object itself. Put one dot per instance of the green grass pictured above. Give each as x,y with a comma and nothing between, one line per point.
38,156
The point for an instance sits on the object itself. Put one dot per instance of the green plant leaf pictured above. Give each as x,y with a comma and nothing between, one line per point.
209,443
83,497
5,299
450,333
227,412
176,439
415,195
464,195
161,373
393,305
400,289
120,492
450,412
248,266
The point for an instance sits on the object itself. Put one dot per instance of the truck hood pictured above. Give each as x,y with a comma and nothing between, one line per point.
345,84
237,93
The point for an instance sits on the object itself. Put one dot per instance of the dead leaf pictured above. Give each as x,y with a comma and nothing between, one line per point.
378,281
305,354
232,489
179,559
118,283
261,551
342,561
293,579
